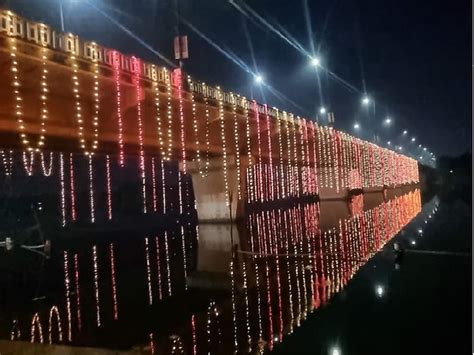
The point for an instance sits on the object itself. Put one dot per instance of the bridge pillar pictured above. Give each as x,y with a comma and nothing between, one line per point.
209,190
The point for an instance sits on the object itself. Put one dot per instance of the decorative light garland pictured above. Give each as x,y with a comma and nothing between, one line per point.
77,290
67,283
63,189
54,312
109,187
224,147
148,272
36,325
91,189
15,332
96,284
206,135
113,280
46,171
168,272
7,162
158,267
136,70
195,125
236,145
169,92
116,68
72,186
28,165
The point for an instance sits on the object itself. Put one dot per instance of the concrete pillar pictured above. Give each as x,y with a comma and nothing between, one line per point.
209,191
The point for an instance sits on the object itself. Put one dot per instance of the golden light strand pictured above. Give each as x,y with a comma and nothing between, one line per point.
169,114
236,145
36,325
7,162
67,284
96,285
224,147
114,280
195,126
148,272
116,67
109,187
78,295
54,312
63,189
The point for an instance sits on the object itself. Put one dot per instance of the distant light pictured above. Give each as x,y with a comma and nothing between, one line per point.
421,158
400,147
276,339
389,143
413,242
413,139
356,126
365,100
388,120
315,62
405,132
258,78
451,171
335,351
379,290
419,145
429,216
322,110
420,231
424,148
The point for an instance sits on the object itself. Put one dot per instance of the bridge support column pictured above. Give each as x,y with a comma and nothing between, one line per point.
209,190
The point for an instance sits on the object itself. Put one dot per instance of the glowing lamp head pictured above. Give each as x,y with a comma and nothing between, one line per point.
258,78
405,132
388,120
335,351
356,126
379,290
389,143
400,147
413,139
424,149
365,100
315,62
322,110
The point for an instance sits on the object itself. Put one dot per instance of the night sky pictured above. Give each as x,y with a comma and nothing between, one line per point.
412,57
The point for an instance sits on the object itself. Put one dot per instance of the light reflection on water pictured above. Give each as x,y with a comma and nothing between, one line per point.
287,262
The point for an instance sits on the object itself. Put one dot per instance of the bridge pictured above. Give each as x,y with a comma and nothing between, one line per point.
64,94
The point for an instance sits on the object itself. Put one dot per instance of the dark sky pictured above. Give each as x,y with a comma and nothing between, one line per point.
414,56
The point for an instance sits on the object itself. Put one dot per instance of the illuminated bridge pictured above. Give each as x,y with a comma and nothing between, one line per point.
60,93
121,156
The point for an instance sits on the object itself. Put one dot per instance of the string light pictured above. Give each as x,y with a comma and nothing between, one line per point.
163,183
270,156
168,272
234,311
176,345
78,106
113,279
54,312
96,285
116,67
72,188
250,181
236,145
109,187
246,299
152,344
185,267
148,273
206,135
169,92
15,332
179,79
28,164
46,171
193,330
158,267
67,283
36,325
63,189
224,147
77,290
7,162
259,149
136,65
91,189
195,125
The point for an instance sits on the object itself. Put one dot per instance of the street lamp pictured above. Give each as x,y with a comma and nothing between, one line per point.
322,110
405,132
365,100
388,120
413,139
356,126
389,143
258,78
315,62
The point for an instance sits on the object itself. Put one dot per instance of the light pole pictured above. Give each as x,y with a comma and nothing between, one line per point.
61,14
